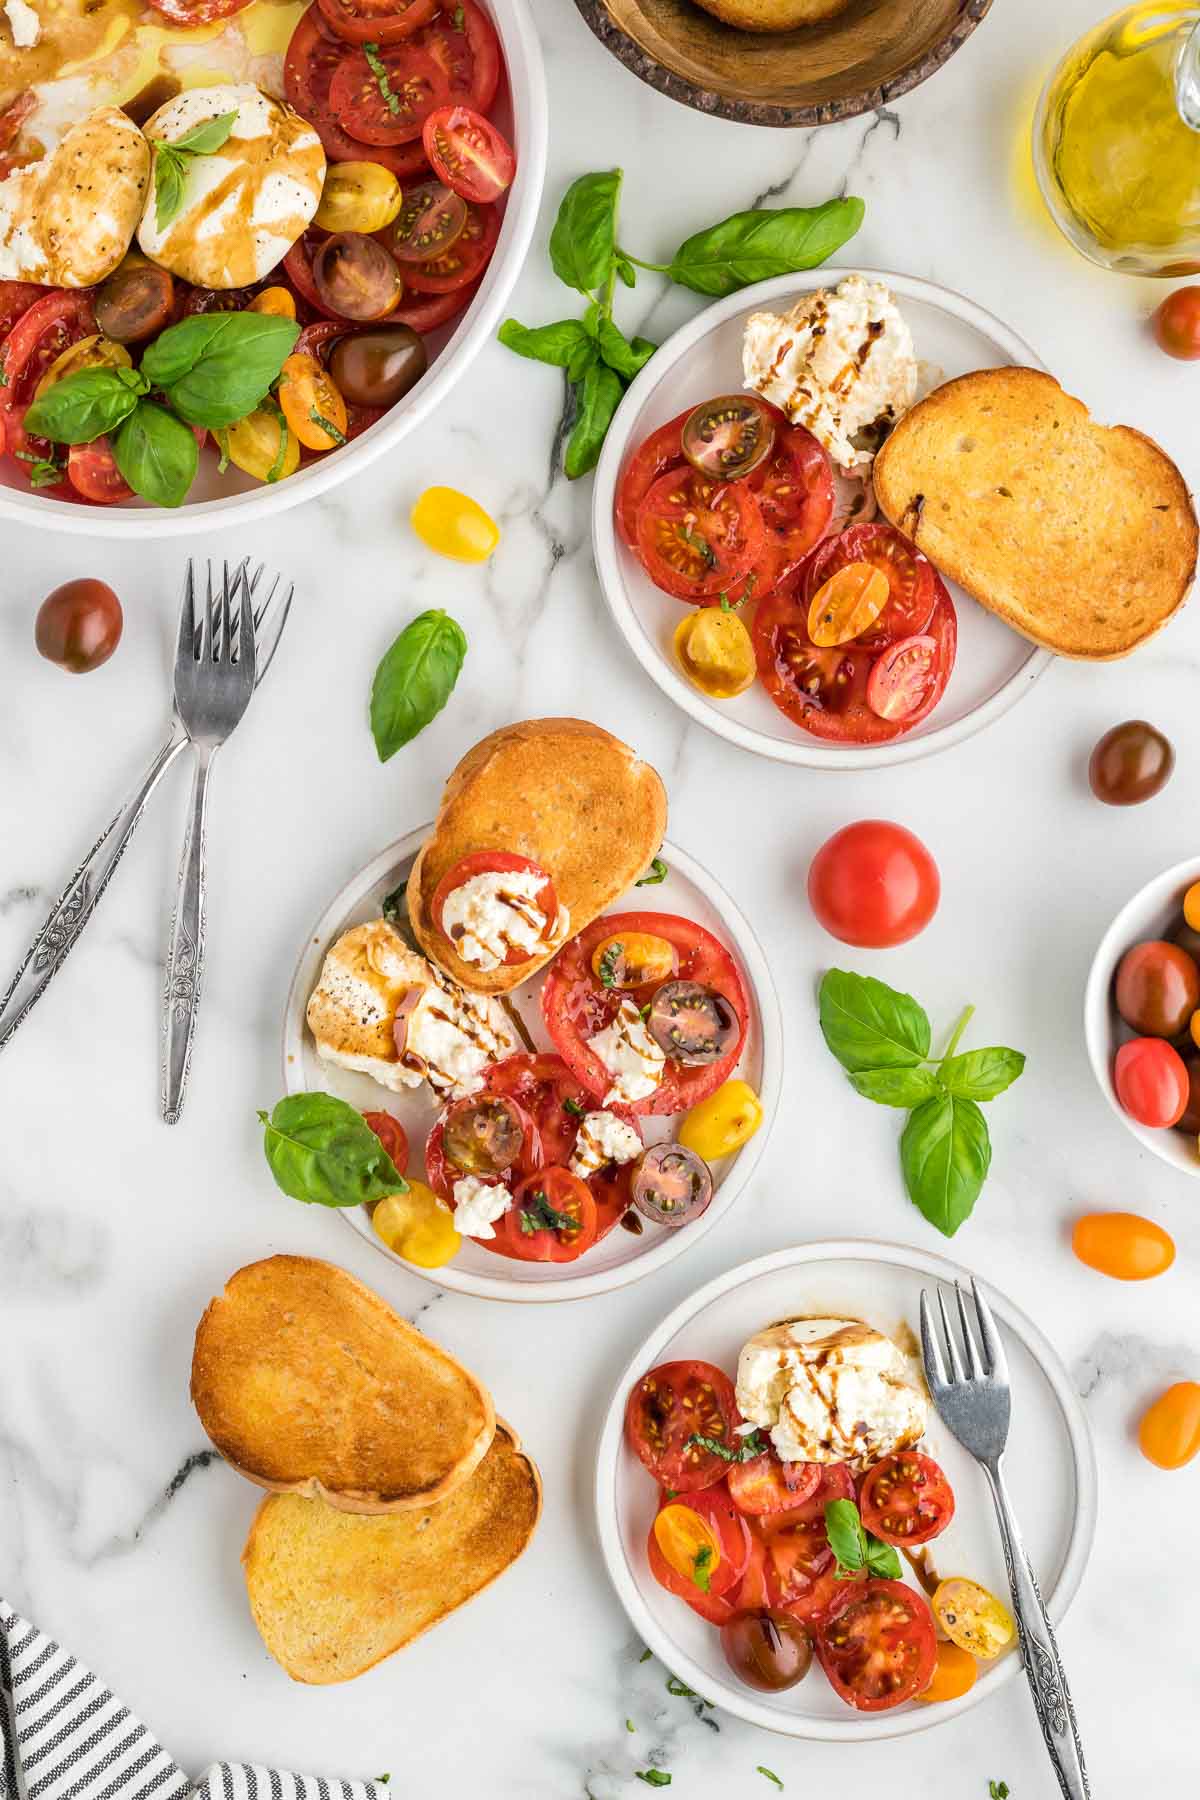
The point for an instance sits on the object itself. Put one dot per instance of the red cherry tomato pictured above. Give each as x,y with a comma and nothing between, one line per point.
569,1209
673,1404
1151,1080
92,471
873,884
906,1499
466,151
904,678
463,262
881,1648
392,1136
768,1485
1177,324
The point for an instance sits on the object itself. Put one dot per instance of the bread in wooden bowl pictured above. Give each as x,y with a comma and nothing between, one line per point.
773,15
1080,536
332,1594
309,1383
565,794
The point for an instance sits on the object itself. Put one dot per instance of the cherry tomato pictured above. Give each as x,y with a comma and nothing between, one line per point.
954,1675
312,406
92,471
1176,323
881,1648
906,1499
377,21
484,1134
356,278
696,537
905,679
873,884
1157,989
910,577
972,1618
667,1409
94,352
1131,763
552,1218
1122,1245
461,262
1169,1434
715,652
692,1023
1191,907
429,221
79,625
276,302
729,437
466,151
135,303
767,1650
377,368
392,1136
766,1484
634,959
671,1185
707,1590
357,196
453,525
263,445
847,604
721,1124
1151,1081
418,1226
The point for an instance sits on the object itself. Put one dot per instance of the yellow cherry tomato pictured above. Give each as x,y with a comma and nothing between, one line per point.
358,196
847,604
723,1123
454,525
1122,1245
1169,1434
688,1543
972,1618
418,1226
278,302
955,1674
633,959
95,352
715,652
1191,906
1194,1028
311,403
263,445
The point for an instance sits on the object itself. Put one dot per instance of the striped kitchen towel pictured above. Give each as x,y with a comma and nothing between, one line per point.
66,1737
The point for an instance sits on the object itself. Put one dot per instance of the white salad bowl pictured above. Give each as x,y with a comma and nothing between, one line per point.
235,499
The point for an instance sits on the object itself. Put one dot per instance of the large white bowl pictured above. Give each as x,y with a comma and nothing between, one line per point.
451,351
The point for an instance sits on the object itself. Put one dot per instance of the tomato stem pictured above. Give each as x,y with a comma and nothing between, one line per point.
952,1046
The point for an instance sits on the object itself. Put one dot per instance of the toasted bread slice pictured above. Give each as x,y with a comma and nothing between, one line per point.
566,794
309,1383
1080,536
332,1594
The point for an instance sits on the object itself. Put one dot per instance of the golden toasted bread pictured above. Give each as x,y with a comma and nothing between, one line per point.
773,15
1080,536
565,794
332,1594
309,1383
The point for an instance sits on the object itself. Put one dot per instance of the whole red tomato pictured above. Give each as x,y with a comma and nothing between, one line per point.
1177,324
1151,1080
873,884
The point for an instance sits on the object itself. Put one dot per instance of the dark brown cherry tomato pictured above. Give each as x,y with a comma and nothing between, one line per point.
1158,989
767,1650
671,1185
483,1135
1131,763
376,368
431,218
691,1023
728,437
355,277
79,625
135,303
1177,324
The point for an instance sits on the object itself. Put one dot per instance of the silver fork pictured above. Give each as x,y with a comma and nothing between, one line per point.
974,1401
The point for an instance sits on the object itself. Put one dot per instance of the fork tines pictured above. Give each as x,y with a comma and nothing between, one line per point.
975,1362
224,618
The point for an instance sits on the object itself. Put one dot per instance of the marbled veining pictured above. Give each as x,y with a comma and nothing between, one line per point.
118,1532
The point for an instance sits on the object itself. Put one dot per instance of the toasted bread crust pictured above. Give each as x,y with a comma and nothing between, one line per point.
1080,536
333,1595
773,15
308,1383
564,793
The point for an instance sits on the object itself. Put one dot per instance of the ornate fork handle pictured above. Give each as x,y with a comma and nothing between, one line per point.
1039,1651
185,958
78,901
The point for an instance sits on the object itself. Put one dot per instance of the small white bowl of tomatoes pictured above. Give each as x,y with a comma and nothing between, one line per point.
1141,1016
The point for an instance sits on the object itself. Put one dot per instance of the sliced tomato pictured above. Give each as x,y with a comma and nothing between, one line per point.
910,577
468,153
556,1102
881,1649
415,87
93,472
377,21
549,1191
186,13
708,1588
16,298
313,56
661,452
392,1136
799,1564
494,862
697,537
463,40
670,1406
906,1499
441,1174
575,1005
464,261
768,1485
795,492
39,337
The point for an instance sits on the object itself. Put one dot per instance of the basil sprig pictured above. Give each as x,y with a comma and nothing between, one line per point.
171,161
322,1151
599,360
882,1039
157,454
855,1547
415,679
217,367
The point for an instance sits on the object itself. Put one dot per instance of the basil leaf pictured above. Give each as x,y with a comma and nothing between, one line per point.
945,1153
599,397
625,357
217,367
81,407
883,1560
755,246
847,1539
415,679
322,1151
749,1446
653,1777
168,185
583,359
583,241
895,1087
655,875
555,344
761,1769
868,1025
626,271
203,139
981,1074
701,1573
156,453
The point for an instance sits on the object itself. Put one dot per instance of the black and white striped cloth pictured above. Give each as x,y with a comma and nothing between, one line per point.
66,1737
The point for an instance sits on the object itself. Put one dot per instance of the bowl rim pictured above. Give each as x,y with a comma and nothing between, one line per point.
476,327
723,105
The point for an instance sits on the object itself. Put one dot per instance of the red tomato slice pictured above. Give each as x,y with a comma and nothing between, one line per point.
16,298
881,1648
575,1006
904,677
661,452
549,1188
697,537
463,40
497,862
910,577
197,12
666,1408
466,151
416,87
93,472
556,1102
464,261
313,56
733,1538
377,21
799,1564
39,336
795,492
392,1136
768,1485
906,1499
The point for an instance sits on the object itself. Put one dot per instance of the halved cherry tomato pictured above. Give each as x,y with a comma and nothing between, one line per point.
92,471
954,1675
973,1618
668,1410
1169,1434
683,1530
633,959
135,303
392,1136
313,56
552,1218
799,1565
386,99
263,445
357,196
276,302
768,1485
661,452
311,403
466,151
795,493
873,884
377,21
496,862
721,1124
478,1146
418,1226
355,278
463,261
1122,1245
910,578
727,438
431,217
847,604
906,1499
715,652
903,679
463,40
697,537
1151,1080
881,1648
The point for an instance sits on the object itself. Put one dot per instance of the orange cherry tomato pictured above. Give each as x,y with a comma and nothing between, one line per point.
847,604
1123,1245
954,1675
1169,1434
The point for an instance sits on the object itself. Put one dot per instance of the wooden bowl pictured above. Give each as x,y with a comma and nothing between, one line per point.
816,75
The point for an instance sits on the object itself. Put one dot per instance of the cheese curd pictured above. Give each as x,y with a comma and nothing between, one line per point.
68,220
630,1055
452,1037
24,23
830,1390
602,1139
245,205
477,1206
838,363
497,911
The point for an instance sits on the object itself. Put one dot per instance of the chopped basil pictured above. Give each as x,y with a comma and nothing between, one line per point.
541,1216
629,1724
608,964
653,1777
277,467
43,470
749,1447
573,1107
701,1572
645,1656
997,1790
326,425
769,1773
378,69
656,875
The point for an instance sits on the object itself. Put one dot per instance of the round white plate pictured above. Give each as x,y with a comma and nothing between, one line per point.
994,666
622,1257
1050,1467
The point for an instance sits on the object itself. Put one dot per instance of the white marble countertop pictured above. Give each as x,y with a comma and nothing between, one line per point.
119,1532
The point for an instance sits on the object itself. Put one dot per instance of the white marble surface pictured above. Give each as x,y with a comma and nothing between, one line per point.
118,1532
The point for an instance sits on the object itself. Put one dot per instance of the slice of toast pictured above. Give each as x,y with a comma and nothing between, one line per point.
1080,536
309,1383
566,794
332,1594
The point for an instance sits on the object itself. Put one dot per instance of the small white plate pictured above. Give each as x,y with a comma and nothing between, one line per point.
1050,1466
622,1257
994,666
